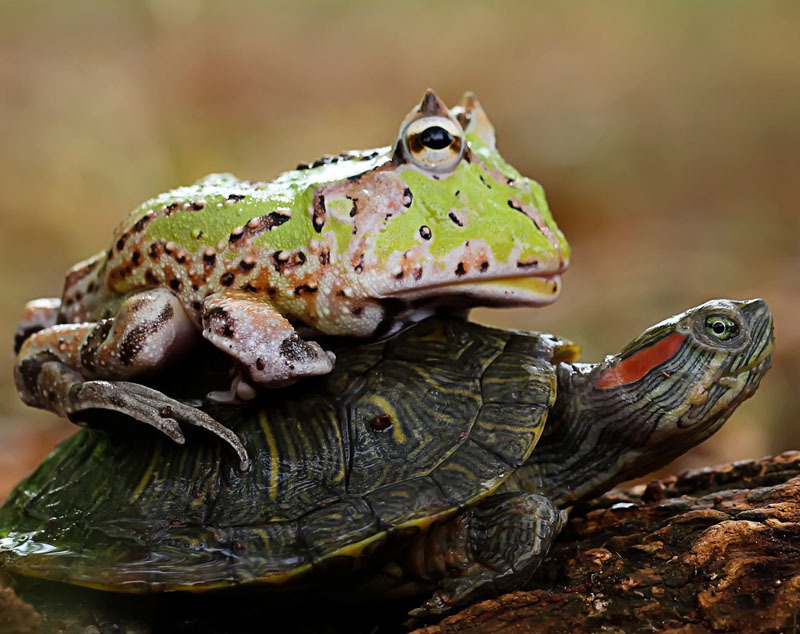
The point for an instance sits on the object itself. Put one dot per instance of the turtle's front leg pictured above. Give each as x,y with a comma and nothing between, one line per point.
490,549
70,369
265,344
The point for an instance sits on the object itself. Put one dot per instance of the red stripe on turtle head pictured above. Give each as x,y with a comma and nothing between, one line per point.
638,364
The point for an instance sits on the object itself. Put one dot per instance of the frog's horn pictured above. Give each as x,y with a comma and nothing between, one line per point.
432,105
474,120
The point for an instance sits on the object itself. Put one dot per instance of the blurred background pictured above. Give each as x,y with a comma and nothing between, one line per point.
665,134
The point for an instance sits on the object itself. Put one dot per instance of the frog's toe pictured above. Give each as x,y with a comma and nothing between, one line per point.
38,315
120,397
293,360
305,358
239,392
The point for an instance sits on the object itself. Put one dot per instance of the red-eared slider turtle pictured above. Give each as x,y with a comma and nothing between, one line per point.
410,468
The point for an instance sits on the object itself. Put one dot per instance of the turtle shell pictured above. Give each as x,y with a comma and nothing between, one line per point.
403,433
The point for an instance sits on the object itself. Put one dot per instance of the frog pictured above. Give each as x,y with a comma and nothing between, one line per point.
359,244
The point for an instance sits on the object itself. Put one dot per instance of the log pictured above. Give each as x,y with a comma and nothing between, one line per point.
710,550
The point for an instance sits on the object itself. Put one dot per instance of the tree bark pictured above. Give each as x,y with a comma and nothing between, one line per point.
710,550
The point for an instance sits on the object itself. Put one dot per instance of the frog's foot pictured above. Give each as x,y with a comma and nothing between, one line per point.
38,315
54,386
54,365
262,340
148,406
501,542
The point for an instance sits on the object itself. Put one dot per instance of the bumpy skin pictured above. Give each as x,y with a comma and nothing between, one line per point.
412,464
358,244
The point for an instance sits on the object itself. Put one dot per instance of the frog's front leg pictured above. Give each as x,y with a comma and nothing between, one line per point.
262,340
71,369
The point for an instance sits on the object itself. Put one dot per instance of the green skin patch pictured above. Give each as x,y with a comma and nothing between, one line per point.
478,210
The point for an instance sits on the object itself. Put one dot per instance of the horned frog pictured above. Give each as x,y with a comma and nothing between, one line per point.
360,244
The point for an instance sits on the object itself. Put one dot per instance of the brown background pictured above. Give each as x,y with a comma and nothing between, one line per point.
666,136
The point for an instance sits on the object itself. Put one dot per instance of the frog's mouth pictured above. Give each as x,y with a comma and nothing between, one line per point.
505,291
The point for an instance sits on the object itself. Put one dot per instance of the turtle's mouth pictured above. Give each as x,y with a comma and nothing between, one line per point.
510,290
742,383
759,365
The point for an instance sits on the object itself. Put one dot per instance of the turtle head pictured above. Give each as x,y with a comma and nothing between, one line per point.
691,371
665,392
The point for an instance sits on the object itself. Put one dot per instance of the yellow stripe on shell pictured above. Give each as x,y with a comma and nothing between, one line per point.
273,454
148,473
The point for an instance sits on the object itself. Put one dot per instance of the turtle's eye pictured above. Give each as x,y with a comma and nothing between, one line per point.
721,327
434,143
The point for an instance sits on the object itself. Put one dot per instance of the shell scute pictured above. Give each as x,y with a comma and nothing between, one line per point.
268,552
415,429
518,378
543,346
284,487
409,502
470,473
511,431
360,360
430,409
342,524
208,550
453,342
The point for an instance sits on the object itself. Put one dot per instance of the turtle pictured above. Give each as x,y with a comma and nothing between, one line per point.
440,462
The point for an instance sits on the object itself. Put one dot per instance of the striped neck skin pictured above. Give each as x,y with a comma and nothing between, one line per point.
667,391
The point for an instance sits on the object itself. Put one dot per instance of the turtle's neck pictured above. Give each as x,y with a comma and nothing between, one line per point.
597,438
593,440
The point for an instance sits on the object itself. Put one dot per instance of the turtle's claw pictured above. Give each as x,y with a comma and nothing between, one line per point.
151,407
446,598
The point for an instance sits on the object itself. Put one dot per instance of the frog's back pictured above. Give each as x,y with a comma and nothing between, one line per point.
220,233
186,239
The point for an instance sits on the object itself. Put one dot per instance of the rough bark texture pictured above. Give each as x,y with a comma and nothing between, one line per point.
16,616
711,550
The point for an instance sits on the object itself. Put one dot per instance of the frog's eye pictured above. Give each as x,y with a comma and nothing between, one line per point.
434,143
721,327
